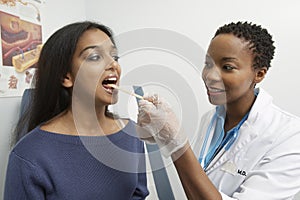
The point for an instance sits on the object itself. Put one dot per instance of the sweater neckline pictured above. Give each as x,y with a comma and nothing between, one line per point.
80,140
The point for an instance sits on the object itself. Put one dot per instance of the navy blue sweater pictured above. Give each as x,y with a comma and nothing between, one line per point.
45,165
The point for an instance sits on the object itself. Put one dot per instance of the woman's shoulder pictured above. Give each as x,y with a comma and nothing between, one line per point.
29,145
29,138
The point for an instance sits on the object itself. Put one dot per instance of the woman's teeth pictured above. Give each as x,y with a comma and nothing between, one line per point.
107,82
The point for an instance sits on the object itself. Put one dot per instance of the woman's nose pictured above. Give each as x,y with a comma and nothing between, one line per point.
113,65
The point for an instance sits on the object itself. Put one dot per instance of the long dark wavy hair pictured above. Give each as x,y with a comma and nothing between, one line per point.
49,98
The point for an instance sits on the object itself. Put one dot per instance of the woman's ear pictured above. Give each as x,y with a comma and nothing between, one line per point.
67,81
260,74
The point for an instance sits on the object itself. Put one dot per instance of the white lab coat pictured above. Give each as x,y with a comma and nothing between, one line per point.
264,161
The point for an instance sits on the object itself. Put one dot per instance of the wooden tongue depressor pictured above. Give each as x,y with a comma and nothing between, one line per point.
126,91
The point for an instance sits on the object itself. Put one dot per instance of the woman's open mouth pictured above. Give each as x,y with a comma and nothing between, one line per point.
106,83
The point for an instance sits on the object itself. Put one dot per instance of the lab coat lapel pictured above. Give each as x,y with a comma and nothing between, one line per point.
247,134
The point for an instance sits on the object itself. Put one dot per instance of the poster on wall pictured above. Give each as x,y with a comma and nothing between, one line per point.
21,43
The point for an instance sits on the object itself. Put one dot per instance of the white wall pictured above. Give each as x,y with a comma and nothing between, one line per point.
55,14
198,20
59,13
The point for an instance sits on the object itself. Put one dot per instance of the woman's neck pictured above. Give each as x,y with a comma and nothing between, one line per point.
82,122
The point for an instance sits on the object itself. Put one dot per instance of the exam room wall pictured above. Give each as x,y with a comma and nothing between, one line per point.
55,14
198,21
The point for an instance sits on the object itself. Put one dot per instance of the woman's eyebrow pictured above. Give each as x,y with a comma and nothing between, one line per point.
100,47
88,47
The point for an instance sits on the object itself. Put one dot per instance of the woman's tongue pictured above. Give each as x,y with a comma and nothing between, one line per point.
107,88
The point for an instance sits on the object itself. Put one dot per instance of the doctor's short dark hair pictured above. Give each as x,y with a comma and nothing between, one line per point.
260,41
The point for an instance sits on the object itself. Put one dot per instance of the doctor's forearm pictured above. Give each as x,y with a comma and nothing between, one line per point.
195,182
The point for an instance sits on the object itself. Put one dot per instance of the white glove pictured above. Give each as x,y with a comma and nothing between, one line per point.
158,123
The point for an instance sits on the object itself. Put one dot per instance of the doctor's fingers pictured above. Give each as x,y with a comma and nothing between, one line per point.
143,118
153,98
145,134
158,101
145,104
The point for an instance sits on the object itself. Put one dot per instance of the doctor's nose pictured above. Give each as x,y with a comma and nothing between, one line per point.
211,74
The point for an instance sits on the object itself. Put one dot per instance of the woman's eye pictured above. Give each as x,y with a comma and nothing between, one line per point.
116,58
94,57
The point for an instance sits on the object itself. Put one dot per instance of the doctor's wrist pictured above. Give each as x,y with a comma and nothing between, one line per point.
180,151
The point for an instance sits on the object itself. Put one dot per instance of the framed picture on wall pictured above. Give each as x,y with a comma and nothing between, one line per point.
21,43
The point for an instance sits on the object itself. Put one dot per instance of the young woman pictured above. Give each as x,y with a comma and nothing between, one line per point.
248,148
75,148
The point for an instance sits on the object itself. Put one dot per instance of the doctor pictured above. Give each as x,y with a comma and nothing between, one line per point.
249,148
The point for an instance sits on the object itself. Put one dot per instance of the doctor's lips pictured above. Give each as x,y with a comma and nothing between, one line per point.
108,82
214,91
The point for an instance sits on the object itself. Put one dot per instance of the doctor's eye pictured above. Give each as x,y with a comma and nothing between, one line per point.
228,67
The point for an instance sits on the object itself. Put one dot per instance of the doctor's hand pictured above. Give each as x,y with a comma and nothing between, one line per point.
157,123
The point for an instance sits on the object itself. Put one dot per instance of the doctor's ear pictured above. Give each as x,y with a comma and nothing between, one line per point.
260,74
67,80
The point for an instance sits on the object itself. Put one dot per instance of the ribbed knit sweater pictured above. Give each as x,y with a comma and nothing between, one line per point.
46,165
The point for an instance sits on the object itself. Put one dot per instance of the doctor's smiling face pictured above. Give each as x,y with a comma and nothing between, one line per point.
229,74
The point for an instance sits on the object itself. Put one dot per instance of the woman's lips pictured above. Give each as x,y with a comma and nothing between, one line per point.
112,79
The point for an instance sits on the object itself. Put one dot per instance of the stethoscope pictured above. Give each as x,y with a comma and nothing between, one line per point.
225,144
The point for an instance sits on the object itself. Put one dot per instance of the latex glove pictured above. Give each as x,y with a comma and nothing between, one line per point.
158,123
